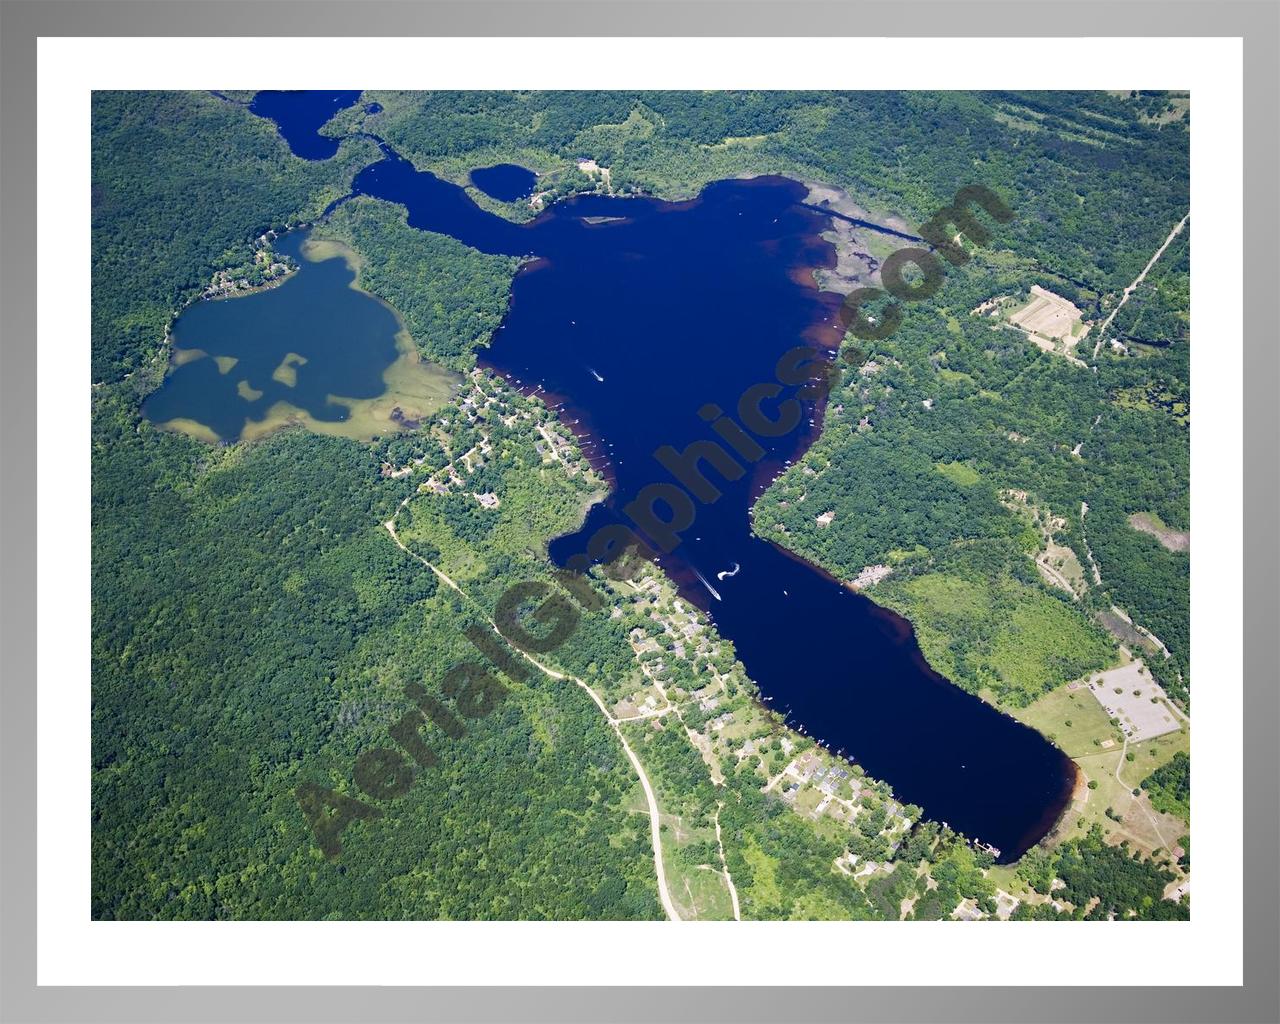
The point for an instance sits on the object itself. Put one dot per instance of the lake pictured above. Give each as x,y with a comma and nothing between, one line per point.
636,316
301,114
311,349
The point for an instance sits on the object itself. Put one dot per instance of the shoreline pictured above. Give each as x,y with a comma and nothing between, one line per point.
408,378
684,579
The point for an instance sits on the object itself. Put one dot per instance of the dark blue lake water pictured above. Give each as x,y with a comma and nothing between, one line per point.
639,323
301,114
507,182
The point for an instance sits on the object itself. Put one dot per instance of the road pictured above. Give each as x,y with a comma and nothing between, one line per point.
1137,281
1058,578
1138,800
1097,576
655,835
728,878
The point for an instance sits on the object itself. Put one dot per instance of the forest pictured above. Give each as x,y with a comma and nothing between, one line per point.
182,185
1099,183
256,631
254,628
451,297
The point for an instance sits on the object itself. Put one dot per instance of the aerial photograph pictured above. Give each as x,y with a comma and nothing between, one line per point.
641,505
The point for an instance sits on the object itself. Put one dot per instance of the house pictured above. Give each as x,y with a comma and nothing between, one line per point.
1005,904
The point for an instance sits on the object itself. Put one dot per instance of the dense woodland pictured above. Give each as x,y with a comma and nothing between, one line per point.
1098,184
257,630
451,297
1103,881
182,185
254,627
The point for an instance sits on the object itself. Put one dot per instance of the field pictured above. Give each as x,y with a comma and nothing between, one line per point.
1073,721
1047,314
1150,523
1111,768
1000,636
1051,322
1134,818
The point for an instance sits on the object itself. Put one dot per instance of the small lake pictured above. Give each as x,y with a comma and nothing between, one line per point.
507,182
641,317
312,348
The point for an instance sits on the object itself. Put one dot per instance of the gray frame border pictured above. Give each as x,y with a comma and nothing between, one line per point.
23,21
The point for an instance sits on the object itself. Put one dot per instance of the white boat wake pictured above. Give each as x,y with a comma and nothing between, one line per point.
710,589
729,575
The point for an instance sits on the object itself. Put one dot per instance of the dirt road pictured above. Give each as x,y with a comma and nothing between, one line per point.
1137,281
728,878
654,821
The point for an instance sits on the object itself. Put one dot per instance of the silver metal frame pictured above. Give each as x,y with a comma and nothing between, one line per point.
21,23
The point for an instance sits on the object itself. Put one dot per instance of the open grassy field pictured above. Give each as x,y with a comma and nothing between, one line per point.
1073,721
1034,640
700,893
1003,635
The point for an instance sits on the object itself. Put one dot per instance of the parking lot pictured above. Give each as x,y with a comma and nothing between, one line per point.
1128,693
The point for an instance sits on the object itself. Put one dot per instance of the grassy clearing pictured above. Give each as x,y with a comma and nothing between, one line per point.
959,473
1005,636
1006,877
1134,818
1058,561
1038,640
1073,720
1152,524
699,892
955,376
427,529
764,889
949,595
